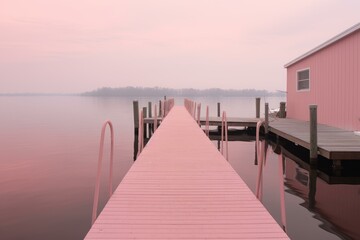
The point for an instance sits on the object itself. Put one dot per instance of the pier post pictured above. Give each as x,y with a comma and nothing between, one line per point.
282,110
145,128
160,107
218,114
313,134
258,107
266,118
150,116
150,109
136,116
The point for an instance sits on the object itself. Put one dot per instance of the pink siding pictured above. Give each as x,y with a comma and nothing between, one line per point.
334,85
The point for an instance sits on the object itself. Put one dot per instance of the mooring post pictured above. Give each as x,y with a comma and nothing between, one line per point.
282,110
150,109
218,114
258,107
313,134
160,107
266,118
136,116
150,116
145,128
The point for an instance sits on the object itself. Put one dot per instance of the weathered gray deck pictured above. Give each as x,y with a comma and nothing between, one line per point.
334,143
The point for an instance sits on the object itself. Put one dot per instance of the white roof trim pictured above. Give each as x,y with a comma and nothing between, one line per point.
325,44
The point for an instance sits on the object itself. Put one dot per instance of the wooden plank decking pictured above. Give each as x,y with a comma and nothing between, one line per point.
181,187
334,143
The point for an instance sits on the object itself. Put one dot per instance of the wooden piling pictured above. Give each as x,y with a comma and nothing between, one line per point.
150,109
145,125
151,126
136,116
160,108
218,114
282,113
266,118
313,134
257,107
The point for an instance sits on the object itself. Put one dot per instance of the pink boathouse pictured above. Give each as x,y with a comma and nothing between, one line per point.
328,76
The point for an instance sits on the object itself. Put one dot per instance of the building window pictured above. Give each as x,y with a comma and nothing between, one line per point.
303,80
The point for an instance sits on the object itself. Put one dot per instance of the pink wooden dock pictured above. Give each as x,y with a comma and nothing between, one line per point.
181,187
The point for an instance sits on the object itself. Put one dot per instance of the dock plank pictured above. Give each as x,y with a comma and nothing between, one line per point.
181,187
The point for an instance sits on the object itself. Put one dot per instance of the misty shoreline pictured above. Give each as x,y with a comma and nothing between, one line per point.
160,92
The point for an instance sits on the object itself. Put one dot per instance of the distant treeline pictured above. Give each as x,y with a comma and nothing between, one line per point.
188,92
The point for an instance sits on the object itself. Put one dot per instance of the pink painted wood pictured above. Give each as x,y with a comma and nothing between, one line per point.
101,153
181,187
260,148
224,134
334,85
198,113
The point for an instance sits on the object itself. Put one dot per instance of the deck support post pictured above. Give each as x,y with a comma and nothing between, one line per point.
145,128
282,113
313,134
266,118
136,116
258,107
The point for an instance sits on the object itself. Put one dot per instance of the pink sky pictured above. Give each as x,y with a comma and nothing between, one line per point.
74,46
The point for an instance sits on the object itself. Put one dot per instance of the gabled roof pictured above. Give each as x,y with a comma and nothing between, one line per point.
325,44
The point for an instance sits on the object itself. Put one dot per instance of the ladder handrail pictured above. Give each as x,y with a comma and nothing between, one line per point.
101,151
224,125
260,153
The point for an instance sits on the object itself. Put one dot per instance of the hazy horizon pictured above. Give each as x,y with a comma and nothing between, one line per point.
73,47
143,89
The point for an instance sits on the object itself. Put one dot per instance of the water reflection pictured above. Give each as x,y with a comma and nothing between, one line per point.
282,191
336,206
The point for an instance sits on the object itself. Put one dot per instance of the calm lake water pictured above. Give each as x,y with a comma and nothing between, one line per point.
48,160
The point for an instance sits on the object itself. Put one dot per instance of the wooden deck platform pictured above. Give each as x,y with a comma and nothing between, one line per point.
333,143
183,188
